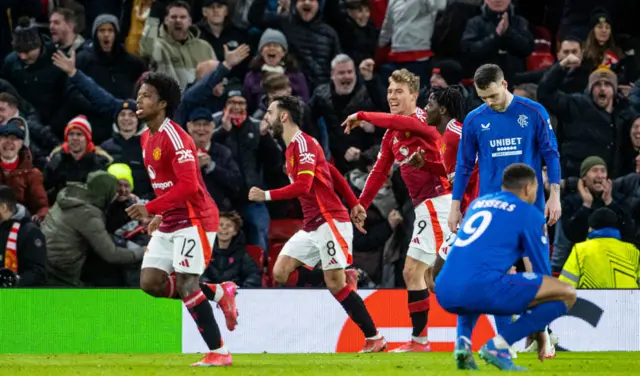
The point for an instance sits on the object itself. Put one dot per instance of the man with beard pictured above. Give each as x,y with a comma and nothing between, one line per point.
62,26
591,121
111,67
327,234
346,94
174,47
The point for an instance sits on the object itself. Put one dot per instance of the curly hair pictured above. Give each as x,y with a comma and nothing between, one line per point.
167,88
450,98
403,76
292,105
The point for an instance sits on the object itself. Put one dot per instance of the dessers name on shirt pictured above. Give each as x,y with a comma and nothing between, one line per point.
163,185
513,141
496,204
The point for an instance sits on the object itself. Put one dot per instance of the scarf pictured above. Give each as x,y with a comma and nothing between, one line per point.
9,166
607,232
11,250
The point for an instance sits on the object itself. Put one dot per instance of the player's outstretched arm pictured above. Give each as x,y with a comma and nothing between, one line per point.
389,121
301,186
342,187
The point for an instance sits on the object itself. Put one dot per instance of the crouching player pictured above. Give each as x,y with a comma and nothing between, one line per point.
499,229
327,233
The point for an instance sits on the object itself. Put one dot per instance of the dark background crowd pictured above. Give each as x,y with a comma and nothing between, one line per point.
70,139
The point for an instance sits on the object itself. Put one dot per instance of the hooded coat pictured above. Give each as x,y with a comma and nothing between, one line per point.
76,226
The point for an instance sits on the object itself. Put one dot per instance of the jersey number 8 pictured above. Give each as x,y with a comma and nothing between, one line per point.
472,232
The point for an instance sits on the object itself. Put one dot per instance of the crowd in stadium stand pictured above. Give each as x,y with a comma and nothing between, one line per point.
70,138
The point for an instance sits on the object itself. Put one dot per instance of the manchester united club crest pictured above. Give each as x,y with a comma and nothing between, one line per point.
443,148
292,161
407,134
157,153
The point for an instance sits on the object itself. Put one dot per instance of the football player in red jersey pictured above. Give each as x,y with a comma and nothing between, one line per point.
444,110
428,187
186,218
327,233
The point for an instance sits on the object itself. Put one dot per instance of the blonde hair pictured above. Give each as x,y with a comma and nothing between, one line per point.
403,76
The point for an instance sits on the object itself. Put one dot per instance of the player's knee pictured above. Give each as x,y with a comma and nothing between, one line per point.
334,282
152,287
187,284
281,275
570,295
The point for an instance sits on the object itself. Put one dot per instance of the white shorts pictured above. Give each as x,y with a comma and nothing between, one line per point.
186,251
329,244
430,229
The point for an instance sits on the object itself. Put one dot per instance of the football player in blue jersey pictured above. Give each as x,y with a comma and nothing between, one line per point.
499,229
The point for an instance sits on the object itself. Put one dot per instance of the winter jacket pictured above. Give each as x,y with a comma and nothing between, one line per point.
335,108
177,59
256,155
74,227
587,129
222,177
358,42
232,264
200,94
313,43
252,88
129,151
232,37
63,168
116,72
31,249
482,45
27,183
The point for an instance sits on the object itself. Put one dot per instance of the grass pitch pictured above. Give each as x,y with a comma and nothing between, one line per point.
433,364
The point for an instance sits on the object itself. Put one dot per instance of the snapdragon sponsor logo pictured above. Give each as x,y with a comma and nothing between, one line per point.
162,185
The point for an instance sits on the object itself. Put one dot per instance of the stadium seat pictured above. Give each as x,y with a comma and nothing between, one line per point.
257,254
540,60
282,230
274,251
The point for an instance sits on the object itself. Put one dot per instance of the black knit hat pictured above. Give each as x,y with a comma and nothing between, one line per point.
450,70
599,15
233,89
26,37
602,218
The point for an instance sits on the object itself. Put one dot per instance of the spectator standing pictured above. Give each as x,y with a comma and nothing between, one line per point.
273,57
445,73
595,190
230,260
14,10
62,26
174,48
23,248
498,36
257,155
591,263
216,28
75,226
74,159
219,170
627,159
347,94
109,64
19,174
39,82
358,35
591,121
408,28
313,42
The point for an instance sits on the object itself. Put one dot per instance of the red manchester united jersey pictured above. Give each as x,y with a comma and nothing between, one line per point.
450,141
407,135
181,197
313,180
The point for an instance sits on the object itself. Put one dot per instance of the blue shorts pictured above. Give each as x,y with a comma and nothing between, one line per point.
508,294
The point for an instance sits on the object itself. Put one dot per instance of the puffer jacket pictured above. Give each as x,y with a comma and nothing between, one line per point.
76,226
27,183
129,151
313,43
177,59
232,264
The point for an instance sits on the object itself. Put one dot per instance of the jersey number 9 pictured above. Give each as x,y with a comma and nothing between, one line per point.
472,232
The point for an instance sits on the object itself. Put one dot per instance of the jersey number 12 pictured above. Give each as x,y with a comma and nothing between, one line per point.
471,231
